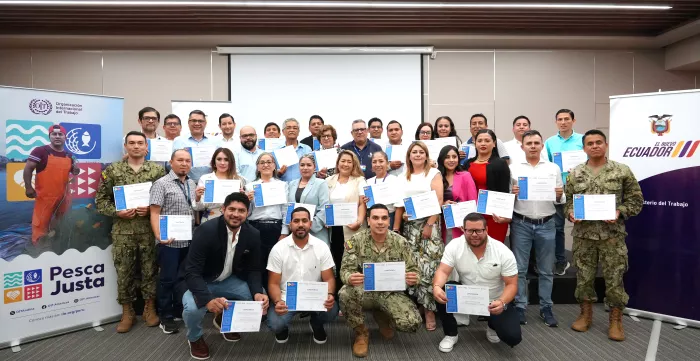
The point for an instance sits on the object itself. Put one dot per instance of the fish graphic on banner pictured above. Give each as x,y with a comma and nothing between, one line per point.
83,140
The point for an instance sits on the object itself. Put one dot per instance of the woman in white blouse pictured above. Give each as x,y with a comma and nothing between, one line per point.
223,166
346,186
422,234
380,167
267,219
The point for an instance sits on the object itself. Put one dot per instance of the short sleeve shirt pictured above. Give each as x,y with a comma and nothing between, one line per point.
40,155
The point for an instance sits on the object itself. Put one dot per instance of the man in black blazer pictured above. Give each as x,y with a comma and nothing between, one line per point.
223,264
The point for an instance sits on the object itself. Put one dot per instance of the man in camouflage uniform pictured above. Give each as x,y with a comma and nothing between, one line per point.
132,236
390,309
602,241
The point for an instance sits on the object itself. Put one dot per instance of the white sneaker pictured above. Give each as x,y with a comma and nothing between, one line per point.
491,335
448,343
462,319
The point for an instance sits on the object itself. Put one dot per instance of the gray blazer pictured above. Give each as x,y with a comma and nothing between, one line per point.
316,193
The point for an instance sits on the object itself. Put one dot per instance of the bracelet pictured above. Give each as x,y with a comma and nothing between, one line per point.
435,285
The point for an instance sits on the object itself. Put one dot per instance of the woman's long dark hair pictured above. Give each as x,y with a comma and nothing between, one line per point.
441,163
494,152
453,131
426,124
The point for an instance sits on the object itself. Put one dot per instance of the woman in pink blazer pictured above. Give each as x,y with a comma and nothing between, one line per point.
458,185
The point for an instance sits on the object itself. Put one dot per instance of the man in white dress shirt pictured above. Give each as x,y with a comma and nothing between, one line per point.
300,257
533,225
521,124
482,261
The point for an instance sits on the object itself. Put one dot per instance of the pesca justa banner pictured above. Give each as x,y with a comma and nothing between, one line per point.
657,136
55,252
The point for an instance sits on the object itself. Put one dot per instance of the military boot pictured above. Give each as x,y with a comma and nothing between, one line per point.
384,323
150,316
585,318
128,318
359,348
615,330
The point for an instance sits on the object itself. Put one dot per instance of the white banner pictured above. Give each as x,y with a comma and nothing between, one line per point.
55,249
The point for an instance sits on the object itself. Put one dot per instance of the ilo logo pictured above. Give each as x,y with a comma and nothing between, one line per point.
84,140
40,106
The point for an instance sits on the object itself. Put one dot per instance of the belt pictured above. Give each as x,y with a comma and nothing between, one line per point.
531,220
267,221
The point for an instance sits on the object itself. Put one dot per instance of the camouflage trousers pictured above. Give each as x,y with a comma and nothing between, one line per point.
427,254
401,310
612,256
126,250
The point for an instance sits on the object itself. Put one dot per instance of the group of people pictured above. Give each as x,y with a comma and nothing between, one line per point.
240,251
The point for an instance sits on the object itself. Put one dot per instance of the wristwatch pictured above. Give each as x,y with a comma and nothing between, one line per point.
505,306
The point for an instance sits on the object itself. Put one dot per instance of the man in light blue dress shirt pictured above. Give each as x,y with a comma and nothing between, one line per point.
565,140
290,129
246,159
197,123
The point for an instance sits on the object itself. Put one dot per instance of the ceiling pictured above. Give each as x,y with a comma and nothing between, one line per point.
226,20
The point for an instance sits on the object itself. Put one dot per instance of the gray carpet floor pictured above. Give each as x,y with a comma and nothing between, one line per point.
540,343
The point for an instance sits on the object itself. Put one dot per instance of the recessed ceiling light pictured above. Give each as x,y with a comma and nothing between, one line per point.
345,4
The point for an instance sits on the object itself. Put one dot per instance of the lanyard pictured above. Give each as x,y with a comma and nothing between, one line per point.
185,193
383,179
358,151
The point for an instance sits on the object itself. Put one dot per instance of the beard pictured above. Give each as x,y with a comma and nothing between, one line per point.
248,144
300,233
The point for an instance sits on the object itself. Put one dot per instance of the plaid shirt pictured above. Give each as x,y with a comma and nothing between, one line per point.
169,193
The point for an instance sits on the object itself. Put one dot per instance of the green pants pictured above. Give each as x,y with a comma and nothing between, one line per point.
126,249
400,309
612,256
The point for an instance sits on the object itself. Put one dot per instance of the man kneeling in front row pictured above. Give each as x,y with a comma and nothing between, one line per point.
392,310
223,264
297,258
482,261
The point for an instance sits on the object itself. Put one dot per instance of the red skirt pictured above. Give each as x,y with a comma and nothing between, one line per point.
497,231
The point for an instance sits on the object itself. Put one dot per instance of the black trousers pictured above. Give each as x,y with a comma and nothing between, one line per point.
337,250
270,231
506,325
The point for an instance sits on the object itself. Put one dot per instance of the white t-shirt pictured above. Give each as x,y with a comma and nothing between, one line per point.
342,189
498,261
391,179
299,264
419,183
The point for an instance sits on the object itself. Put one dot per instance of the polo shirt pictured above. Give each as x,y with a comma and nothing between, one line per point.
498,261
558,144
299,264
364,155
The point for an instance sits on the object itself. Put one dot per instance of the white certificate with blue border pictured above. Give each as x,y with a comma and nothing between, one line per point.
537,188
455,213
498,203
131,196
467,299
341,214
422,205
216,190
396,152
595,207
306,296
384,276
569,160
159,150
176,227
269,144
382,193
285,156
291,206
242,316
325,158
269,194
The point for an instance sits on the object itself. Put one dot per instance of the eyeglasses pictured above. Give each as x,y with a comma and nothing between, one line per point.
247,135
171,124
267,162
425,132
197,121
326,136
477,231
150,119
359,130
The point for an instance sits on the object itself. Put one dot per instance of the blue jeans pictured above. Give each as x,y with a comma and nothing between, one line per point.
560,221
169,260
232,288
523,236
278,323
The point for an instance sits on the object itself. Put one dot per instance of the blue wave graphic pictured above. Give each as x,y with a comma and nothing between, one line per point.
24,135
